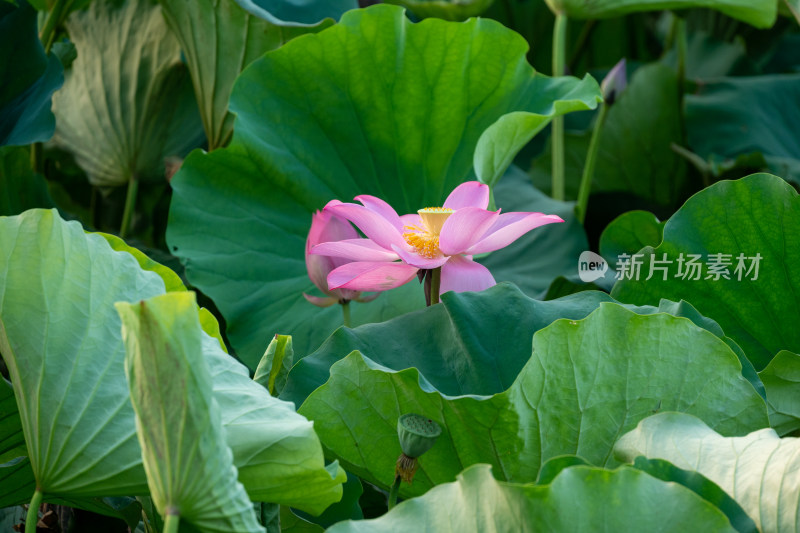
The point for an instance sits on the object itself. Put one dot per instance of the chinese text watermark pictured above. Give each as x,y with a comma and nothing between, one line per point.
690,267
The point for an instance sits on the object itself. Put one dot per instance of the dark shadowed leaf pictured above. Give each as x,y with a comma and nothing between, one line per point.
735,116
444,9
296,13
20,187
759,13
219,38
127,101
29,78
781,379
629,233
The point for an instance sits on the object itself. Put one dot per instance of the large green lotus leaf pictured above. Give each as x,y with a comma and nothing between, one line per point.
441,341
634,155
502,141
586,383
16,479
277,452
563,286
478,348
348,508
29,78
57,287
523,262
781,379
17,482
172,282
219,39
444,9
188,464
296,13
11,437
374,105
734,116
686,310
758,470
291,523
580,498
758,13
702,486
469,360
626,234
127,101
759,214
20,187
629,233
709,56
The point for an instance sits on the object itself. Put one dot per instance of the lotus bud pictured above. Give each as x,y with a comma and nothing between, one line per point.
615,82
327,227
417,435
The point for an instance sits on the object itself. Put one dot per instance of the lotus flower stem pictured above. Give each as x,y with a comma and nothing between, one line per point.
681,44
394,491
37,159
54,19
130,205
93,207
171,522
588,167
436,283
345,313
33,512
559,55
580,44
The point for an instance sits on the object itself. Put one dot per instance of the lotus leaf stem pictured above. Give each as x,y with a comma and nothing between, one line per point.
557,143
393,492
33,512
130,206
171,522
588,167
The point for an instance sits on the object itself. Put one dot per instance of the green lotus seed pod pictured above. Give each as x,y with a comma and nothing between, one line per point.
417,434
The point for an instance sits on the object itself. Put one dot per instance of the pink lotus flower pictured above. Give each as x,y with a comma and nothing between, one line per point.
397,247
327,227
